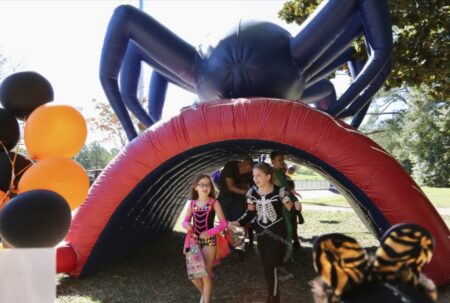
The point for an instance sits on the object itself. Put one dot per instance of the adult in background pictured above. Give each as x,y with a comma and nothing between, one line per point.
234,182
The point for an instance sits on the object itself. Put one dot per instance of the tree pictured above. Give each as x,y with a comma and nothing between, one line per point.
420,30
106,122
416,133
426,137
93,156
385,125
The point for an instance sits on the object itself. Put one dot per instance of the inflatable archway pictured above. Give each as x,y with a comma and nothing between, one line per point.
141,193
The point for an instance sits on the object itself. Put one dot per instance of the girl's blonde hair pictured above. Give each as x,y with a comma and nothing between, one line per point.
265,168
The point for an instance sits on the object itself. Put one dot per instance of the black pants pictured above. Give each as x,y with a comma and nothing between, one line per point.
272,252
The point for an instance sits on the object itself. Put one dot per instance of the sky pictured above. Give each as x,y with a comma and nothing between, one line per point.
62,40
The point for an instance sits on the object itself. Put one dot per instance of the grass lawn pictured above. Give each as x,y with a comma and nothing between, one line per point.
304,173
156,273
439,197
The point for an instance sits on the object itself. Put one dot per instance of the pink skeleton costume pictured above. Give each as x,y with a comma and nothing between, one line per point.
203,218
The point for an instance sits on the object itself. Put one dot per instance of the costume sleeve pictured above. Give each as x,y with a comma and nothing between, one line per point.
249,214
283,196
187,219
213,231
247,217
250,199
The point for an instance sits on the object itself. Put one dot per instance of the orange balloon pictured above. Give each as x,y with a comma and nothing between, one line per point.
3,198
54,131
62,175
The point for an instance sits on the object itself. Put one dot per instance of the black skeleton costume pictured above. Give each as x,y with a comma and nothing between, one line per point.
271,232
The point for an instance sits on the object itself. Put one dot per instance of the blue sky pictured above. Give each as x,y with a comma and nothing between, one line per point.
62,40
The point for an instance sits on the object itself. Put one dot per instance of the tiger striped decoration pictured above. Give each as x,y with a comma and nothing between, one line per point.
342,263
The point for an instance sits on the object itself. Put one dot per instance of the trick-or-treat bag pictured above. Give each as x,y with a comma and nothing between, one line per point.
222,247
194,262
236,236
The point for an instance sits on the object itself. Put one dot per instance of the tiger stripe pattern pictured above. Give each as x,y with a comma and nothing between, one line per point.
342,263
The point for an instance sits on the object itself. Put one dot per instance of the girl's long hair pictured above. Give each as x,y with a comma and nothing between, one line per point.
194,193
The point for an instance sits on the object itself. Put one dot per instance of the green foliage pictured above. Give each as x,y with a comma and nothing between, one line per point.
426,137
94,156
418,135
421,42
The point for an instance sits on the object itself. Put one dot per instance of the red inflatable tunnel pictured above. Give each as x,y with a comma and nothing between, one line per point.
137,198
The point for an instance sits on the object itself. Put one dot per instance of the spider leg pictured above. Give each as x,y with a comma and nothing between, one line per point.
378,35
355,68
338,53
319,46
322,92
129,81
157,96
343,58
370,90
155,40
321,30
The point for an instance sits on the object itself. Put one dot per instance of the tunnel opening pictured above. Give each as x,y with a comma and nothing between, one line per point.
152,208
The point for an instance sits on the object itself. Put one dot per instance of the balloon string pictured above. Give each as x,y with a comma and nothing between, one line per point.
12,188
3,146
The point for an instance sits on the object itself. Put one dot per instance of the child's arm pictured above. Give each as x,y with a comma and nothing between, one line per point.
187,218
222,222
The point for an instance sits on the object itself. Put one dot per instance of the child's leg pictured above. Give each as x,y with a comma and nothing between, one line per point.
295,232
209,253
198,283
272,253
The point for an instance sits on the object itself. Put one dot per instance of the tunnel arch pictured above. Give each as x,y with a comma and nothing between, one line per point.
140,194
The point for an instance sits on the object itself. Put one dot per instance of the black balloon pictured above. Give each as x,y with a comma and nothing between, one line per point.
9,130
23,92
37,218
5,172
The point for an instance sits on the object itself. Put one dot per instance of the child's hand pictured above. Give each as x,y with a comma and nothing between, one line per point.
298,206
232,225
204,235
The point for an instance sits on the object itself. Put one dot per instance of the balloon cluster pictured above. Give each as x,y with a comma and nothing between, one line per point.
38,193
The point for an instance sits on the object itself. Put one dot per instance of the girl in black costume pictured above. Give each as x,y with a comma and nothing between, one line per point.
266,202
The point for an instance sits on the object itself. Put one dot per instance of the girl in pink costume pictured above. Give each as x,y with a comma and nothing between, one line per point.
199,222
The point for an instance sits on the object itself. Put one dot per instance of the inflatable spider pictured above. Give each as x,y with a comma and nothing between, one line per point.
256,59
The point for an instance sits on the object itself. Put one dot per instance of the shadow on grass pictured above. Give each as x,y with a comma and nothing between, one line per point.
326,204
330,221
157,273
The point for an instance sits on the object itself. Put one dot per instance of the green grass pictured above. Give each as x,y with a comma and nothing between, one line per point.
157,273
303,173
439,197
